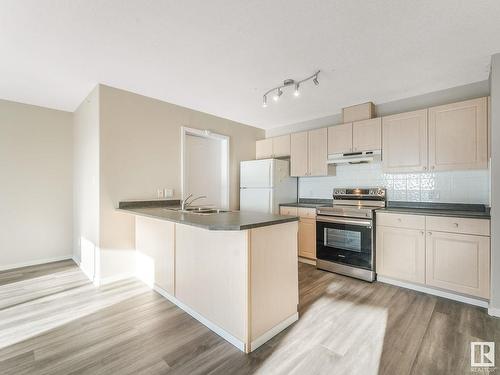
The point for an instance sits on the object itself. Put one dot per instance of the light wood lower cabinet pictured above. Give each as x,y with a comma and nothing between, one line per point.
458,262
401,253
456,257
307,238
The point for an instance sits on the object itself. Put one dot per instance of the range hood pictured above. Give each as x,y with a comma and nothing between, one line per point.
355,157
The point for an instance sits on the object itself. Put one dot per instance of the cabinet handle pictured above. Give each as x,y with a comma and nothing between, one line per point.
422,232
429,233
456,225
424,168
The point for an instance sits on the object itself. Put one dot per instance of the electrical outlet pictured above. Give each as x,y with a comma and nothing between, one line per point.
168,193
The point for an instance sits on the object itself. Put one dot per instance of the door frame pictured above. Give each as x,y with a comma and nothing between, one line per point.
224,144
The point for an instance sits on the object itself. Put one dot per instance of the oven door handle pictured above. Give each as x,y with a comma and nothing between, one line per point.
327,219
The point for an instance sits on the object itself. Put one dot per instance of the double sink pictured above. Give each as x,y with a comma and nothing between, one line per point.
198,210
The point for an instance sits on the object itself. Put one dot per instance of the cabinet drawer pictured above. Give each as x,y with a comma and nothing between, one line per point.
307,212
401,220
289,211
479,227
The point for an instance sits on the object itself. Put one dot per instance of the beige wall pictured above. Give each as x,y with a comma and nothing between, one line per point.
35,184
140,148
86,182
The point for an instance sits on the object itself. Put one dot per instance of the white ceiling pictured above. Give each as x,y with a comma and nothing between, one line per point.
219,56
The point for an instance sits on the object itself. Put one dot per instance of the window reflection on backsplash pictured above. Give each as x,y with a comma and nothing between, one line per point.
455,187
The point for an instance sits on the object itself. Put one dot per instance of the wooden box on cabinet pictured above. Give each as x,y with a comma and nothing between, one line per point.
358,112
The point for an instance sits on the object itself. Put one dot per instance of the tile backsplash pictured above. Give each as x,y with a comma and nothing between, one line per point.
452,187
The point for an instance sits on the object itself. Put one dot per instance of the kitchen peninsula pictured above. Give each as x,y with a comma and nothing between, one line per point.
236,272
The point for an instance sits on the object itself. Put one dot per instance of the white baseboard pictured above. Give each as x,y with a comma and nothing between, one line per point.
434,292
493,311
307,261
218,330
35,262
273,331
111,279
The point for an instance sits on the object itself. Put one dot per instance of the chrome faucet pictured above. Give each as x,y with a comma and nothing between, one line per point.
185,204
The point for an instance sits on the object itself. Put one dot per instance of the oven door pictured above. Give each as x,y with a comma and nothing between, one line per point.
345,240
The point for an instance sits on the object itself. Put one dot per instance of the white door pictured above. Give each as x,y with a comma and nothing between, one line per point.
256,173
257,200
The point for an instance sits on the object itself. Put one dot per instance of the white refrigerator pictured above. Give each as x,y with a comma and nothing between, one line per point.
265,184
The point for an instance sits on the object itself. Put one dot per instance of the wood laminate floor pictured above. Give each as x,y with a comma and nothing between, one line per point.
54,321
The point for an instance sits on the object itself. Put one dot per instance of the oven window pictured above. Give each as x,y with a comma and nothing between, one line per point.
343,239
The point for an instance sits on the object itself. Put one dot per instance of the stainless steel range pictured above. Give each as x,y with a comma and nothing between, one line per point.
345,232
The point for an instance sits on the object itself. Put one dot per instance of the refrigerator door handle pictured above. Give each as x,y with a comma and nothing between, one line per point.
271,184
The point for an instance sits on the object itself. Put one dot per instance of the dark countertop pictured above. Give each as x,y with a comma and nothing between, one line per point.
309,203
236,220
477,211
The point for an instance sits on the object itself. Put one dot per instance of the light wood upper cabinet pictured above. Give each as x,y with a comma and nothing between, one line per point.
307,238
309,154
281,146
401,253
275,147
299,158
367,135
264,148
404,142
340,138
458,262
458,135
318,153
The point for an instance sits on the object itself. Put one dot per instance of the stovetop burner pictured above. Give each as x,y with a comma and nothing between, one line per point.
355,202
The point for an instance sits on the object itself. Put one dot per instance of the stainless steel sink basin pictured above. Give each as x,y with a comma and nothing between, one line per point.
198,210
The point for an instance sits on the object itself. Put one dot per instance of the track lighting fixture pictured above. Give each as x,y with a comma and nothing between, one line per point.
276,96
297,92
289,82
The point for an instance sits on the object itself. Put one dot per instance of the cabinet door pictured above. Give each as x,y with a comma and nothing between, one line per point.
459,262
367,135
281,146
404,141
299,154
307,238
340,138
318,153
401,253
458,136
264,149
288,211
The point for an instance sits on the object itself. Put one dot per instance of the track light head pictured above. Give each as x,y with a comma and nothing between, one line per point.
297,92
315,80
276,96
264,101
